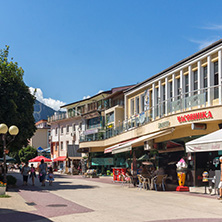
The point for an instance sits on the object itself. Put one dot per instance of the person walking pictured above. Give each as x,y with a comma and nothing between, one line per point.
220,184
25,172
50,177
32,174
42,172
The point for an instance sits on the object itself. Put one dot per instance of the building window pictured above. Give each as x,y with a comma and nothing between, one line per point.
195,82
56,147
62,130
74,127
171,90
137,105
178,89
56,131
186,85
132,106
164,99
205,77
80,126
142,102
110,117
216,92
61,145
67,129
67,143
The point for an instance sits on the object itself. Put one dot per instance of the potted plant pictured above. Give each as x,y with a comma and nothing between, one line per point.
2,188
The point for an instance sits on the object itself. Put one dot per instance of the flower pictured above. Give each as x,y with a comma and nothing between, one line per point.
2,184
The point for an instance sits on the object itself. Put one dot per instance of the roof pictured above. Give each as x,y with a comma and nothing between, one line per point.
84,101
214,45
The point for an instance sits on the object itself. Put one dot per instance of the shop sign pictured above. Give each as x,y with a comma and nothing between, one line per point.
195,116
102,161
164,124
91,131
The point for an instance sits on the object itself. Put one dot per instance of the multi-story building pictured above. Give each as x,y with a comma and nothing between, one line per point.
167,110
41,137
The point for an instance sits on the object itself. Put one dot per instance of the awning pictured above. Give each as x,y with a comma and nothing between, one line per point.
210,142
75,158
128,146
60,158
109,149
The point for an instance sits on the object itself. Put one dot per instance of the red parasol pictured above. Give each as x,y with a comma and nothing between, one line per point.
39,158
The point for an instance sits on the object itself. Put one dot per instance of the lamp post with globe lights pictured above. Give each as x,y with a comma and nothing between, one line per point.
13,131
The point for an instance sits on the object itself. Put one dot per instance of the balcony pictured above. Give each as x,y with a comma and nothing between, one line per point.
207,97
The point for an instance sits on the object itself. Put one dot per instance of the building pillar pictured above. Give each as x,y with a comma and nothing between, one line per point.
209,82
154,102
167,96
219,76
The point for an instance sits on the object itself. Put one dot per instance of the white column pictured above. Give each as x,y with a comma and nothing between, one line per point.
182,89
154,101
161,99
199,79
209,68
167,95
219,76
173,87
190,80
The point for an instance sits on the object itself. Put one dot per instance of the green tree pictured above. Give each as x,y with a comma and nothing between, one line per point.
27,153
17,104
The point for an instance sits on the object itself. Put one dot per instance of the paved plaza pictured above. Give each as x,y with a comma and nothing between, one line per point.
74,198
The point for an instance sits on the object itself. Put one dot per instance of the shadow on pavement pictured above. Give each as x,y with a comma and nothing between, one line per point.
7,215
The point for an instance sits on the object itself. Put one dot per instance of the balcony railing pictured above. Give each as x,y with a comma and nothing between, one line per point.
187,101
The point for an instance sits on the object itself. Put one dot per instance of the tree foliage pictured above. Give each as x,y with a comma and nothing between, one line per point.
27,153
16,101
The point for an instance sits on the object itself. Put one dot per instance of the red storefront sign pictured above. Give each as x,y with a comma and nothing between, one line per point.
195,116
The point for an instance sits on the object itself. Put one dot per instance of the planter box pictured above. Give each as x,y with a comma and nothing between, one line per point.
2,190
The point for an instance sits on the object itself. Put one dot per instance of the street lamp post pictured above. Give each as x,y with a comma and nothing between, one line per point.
13,131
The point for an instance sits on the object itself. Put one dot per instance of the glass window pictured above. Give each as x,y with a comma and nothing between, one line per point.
67,129
110,117
205,77
178,88
142,101
67,143
216,93
195,82
56,147
56,131
137,105
74,127
186,85
61,145
93,123
62,130
132,106
171,90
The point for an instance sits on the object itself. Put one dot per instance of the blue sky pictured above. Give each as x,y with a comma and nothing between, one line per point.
70,49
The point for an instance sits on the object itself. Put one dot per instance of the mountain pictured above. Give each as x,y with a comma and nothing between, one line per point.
42,111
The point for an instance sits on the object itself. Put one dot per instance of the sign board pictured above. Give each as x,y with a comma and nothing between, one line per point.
164,124
102,161
195,116
90,131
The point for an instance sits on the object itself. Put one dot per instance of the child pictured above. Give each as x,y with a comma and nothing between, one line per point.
33,174
50,177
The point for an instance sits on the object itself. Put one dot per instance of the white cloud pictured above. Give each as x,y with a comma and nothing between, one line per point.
213,27
204,43
54,104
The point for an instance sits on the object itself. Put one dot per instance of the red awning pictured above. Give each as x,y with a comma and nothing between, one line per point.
39,158
60,158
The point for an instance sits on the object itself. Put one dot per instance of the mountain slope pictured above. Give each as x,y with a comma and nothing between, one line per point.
42,111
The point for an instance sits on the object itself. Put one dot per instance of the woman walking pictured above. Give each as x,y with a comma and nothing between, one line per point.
42,172
33,174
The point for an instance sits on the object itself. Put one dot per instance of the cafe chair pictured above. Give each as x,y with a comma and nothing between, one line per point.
159,180
145,182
